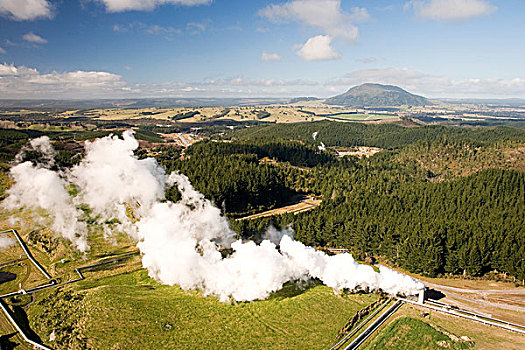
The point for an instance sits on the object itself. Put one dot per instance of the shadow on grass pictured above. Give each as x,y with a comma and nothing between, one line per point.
20,316
6,343
293,289
6,277
121,252
111,264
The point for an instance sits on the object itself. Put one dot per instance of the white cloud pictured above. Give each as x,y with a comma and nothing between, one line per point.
6,242
25,10
318,48
324,14
270,57
452,10
148,5
434,85
155,29
34,38
230,87
11,70
191,89
195,27
241,81
167,32
2,51
26,82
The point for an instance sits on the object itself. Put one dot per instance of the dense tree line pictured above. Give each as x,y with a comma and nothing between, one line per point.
474,224
285,151
446,159
385,207
236,182
12,140
378,206
388,136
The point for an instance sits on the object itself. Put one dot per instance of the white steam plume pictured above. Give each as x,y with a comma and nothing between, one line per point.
343,272
111,180
182,243
6,242
44,147
274,235
321,147
37,187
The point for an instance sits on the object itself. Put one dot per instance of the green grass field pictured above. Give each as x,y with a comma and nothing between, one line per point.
131,311
410,333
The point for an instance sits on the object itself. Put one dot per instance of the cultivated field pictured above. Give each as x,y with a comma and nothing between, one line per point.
269,113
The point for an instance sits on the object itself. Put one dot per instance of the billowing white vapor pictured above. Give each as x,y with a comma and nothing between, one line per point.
6,242
181,243
321,147
36,187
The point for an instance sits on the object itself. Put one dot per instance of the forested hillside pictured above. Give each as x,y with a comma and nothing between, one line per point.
381,206
471,220
445,159
474,224
435,200
389,136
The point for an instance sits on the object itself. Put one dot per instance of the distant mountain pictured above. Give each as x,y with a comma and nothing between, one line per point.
377,95
303,99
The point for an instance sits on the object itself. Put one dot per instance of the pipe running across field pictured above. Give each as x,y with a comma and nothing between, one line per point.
361,338
471,316
361,325
27,252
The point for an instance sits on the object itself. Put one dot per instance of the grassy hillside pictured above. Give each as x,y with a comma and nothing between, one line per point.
131,311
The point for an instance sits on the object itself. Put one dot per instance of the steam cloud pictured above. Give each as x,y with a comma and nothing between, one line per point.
6,242
39,188
321,147
180,242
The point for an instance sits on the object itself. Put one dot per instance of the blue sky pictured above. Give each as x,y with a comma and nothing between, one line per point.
219,48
